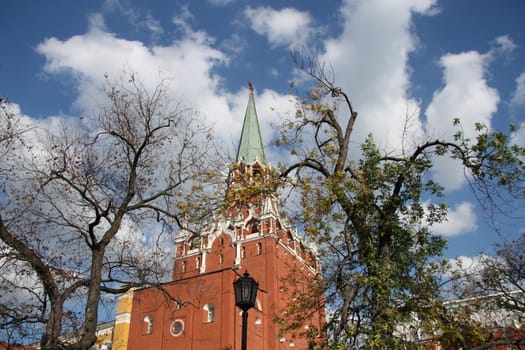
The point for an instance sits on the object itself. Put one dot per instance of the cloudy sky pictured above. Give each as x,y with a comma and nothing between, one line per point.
431,60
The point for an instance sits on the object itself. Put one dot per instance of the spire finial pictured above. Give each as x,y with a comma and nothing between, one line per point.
250,86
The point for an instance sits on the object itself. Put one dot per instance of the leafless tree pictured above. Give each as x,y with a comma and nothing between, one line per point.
90,205
503,274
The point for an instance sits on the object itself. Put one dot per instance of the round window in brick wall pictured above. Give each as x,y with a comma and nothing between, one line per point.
177,327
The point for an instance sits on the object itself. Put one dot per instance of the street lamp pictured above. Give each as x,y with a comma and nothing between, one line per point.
245,289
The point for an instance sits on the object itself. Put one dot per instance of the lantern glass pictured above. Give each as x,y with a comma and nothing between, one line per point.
245,289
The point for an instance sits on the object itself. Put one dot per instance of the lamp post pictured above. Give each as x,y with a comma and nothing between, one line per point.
245,288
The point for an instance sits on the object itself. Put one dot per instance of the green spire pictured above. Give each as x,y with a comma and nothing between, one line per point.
251,146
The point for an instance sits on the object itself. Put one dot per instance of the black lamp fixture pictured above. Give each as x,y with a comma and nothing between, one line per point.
245,288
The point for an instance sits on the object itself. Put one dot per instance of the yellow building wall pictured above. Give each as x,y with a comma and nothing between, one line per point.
105,335
122,321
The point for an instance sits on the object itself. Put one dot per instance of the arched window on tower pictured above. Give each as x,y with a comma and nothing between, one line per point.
256,171
221,258
198,263
209,313
243,253
196,242
259,248
254,226
148,325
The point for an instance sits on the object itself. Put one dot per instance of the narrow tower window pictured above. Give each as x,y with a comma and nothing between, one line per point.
196,243
209,315
148,325
259,248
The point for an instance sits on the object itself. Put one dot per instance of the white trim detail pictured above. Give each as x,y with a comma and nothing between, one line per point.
124,317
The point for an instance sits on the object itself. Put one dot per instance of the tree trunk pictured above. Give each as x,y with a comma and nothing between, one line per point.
49,340
88,335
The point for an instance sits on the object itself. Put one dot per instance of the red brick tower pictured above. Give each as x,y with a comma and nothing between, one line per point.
250,236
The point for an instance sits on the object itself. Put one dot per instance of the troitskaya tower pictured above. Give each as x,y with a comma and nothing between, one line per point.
250,236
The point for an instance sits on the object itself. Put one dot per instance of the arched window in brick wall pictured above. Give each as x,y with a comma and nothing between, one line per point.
147,327
209,313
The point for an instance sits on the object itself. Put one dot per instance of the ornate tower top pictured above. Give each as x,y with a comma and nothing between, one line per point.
251,147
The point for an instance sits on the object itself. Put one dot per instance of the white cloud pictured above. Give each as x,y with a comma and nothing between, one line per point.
461,219
502,45
135,16
153,25
518,97
520,135
183,20
285,27
96,22
378,85
467,264
465,95
370,60
235,44
187,62
221,2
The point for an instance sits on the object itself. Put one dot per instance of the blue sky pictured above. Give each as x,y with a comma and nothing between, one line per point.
431,59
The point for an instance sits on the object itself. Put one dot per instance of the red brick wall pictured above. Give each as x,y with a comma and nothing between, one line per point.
270,268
